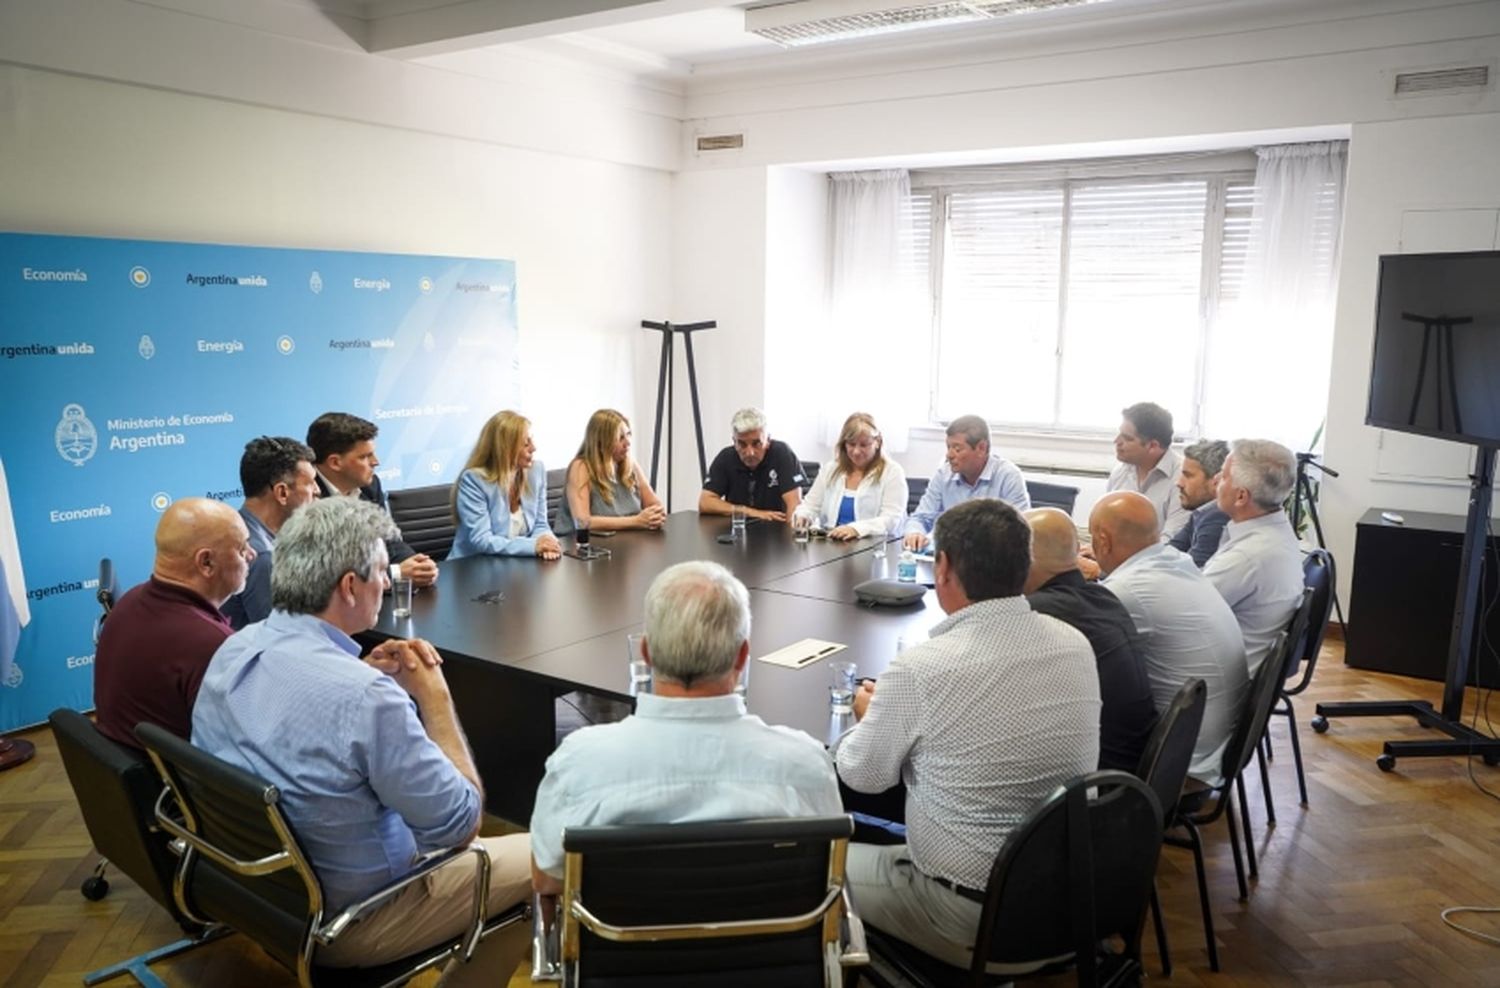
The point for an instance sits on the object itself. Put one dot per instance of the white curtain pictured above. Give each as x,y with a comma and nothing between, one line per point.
1270,346
874,353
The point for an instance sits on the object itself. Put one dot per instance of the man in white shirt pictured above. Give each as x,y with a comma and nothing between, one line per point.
1258,568
690,752
1148,463
1186,628
999,707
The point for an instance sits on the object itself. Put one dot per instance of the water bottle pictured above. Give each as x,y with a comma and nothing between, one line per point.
906,570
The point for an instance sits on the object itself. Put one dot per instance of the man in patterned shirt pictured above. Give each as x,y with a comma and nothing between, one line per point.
980,722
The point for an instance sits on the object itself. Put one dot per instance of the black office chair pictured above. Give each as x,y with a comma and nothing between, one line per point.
1164,767
915,488
1044,495
810,471
1297,629
1077,870
117,790
740,904
1201,807
425,517
1319,577
557,482
243,866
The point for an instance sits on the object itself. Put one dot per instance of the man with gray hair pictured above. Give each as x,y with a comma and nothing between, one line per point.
756,471
1258,568
371,762
690,752
1197,482
970,470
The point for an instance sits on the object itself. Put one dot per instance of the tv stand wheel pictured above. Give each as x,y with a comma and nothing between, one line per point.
1386,763
1320,724
94,888
1492,759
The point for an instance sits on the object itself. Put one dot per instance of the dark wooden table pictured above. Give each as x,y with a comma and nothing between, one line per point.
516,633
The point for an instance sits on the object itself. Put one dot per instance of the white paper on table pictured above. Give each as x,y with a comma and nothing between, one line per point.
801,654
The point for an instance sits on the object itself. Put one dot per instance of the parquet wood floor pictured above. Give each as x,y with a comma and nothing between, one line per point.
1349,893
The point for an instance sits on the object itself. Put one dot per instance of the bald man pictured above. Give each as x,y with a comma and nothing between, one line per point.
158,639
1187,630
1054,586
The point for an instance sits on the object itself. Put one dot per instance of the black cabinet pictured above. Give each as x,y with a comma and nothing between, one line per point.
1401,603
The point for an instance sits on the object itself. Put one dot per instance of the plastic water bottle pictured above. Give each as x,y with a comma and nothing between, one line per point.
906,570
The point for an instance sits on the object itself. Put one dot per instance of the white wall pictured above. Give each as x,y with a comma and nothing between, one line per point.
591,236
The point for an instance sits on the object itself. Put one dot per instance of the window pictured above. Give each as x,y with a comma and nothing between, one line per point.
1056,301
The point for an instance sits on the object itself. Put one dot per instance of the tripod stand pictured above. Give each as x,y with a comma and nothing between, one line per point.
1304,493
666,387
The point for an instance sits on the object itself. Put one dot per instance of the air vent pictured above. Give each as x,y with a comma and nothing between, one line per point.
721,142
1442,80
794,24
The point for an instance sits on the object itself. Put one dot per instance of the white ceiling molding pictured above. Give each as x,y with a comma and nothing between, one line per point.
814,22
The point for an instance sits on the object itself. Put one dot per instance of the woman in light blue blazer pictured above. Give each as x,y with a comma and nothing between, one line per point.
500,500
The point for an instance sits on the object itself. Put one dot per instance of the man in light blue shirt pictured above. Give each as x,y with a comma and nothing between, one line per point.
971,471
690,753
371,762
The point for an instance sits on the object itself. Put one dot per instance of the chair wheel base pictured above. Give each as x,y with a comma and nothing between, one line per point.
94,888
1320,724
1386,763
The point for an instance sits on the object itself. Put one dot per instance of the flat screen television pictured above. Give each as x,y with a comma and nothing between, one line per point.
1435,370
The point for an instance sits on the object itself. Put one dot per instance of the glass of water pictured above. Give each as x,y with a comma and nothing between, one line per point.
842,683
801,528
401,591
737,516
640,669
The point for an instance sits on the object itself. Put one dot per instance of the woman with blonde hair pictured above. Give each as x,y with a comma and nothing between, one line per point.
606,487
859,492
500,500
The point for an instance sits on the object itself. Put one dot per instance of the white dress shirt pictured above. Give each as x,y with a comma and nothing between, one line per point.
981,721
1187,632
1258,571
679,760
1160,487
879,504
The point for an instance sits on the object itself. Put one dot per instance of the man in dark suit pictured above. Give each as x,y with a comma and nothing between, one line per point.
1054,586
343,448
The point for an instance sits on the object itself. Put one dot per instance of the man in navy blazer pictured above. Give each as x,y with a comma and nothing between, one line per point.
343,448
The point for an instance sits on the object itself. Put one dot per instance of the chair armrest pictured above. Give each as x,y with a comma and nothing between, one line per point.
426,864
856,949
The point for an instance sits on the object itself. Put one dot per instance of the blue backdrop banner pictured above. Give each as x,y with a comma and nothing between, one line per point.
134,373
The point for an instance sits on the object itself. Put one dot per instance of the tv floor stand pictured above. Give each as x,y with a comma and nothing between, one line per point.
1464,646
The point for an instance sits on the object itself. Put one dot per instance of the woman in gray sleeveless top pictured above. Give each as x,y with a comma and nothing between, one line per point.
606,484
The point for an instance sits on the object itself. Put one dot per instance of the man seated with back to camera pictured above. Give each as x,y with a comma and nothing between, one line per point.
1055,586
970,470
690,752
277,478
983,720
343,448
756,471
158,639
369,756
1197,486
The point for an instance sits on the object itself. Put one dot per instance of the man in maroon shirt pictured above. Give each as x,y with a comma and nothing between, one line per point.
158,639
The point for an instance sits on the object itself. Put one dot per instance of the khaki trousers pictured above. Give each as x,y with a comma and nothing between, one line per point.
438,908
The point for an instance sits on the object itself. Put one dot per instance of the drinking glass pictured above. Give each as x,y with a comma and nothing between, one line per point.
640,669
737,516
801,528
401,590
842,683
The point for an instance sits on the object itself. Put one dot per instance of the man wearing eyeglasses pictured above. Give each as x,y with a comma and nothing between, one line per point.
756,471
277,478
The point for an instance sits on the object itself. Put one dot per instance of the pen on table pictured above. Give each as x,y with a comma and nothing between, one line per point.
827,650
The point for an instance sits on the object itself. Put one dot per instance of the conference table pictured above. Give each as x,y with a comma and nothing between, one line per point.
515,633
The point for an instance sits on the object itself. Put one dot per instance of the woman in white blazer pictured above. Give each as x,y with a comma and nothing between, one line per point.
859,492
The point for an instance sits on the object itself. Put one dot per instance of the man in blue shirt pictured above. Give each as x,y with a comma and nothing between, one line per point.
690,752
277,478
971,471
372,764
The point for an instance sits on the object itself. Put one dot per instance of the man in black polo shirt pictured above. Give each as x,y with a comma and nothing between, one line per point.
759,472
1055,587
